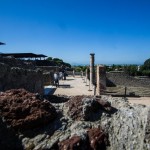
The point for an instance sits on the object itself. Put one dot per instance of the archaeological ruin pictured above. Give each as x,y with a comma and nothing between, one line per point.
94,120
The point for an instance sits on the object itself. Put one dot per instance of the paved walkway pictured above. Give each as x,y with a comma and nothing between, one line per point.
73,86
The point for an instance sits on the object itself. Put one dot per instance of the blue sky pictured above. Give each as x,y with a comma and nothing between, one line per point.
117,31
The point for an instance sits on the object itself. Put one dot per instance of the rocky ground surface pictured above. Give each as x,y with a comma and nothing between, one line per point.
29,121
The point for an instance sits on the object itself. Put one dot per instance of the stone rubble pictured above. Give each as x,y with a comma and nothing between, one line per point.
78,122
22,110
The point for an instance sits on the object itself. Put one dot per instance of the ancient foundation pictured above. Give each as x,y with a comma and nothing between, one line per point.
17,77
101,80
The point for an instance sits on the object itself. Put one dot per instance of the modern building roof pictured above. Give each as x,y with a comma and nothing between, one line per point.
41,55
2,43
23,55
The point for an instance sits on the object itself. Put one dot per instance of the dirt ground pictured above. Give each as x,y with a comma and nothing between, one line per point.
74,86
77,86
140,100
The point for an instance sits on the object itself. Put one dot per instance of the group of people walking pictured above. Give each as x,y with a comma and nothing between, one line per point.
59,76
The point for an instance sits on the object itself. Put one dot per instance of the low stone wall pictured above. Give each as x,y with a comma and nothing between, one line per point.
48,73
15,77
48,78
48,68
120,78
75,73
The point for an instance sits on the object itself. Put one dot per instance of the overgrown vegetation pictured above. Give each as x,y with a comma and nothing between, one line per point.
80,68
133,70
59,62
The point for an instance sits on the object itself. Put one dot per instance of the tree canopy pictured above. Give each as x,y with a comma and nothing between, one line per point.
147,64
59,62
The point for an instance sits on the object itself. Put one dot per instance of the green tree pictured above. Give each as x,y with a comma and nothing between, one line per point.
113,67
80,68
146,73
67,65
49,58
131,69
145,68
147,64
58,61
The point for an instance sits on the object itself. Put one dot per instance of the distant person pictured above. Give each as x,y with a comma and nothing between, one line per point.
61,75
73,73
56,79
65,74
62,70
81,74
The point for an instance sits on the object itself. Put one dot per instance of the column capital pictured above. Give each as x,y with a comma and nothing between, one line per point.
92,54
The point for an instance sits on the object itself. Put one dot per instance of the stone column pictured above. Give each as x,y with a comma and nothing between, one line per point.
101,80
86,73
86,76
91,69
98,81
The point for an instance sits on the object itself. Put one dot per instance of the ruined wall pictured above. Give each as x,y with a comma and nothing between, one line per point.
48,73
48,68
15,77
48,78
95,123
129,128
101,80
12,62
120,78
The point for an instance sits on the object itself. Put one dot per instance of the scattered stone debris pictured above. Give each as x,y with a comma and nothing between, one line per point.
85,108
97,139
75,107
22,110
73,143
82,123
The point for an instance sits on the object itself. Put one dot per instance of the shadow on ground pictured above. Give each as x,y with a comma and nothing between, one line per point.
69,79
48,129
8,138
56,99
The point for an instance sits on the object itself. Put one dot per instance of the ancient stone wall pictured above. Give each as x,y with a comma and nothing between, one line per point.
48,78
12,62
48,73
15,77
120,78
101,80
48,68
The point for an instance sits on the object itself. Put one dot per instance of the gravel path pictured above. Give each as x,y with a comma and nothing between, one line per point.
73,86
